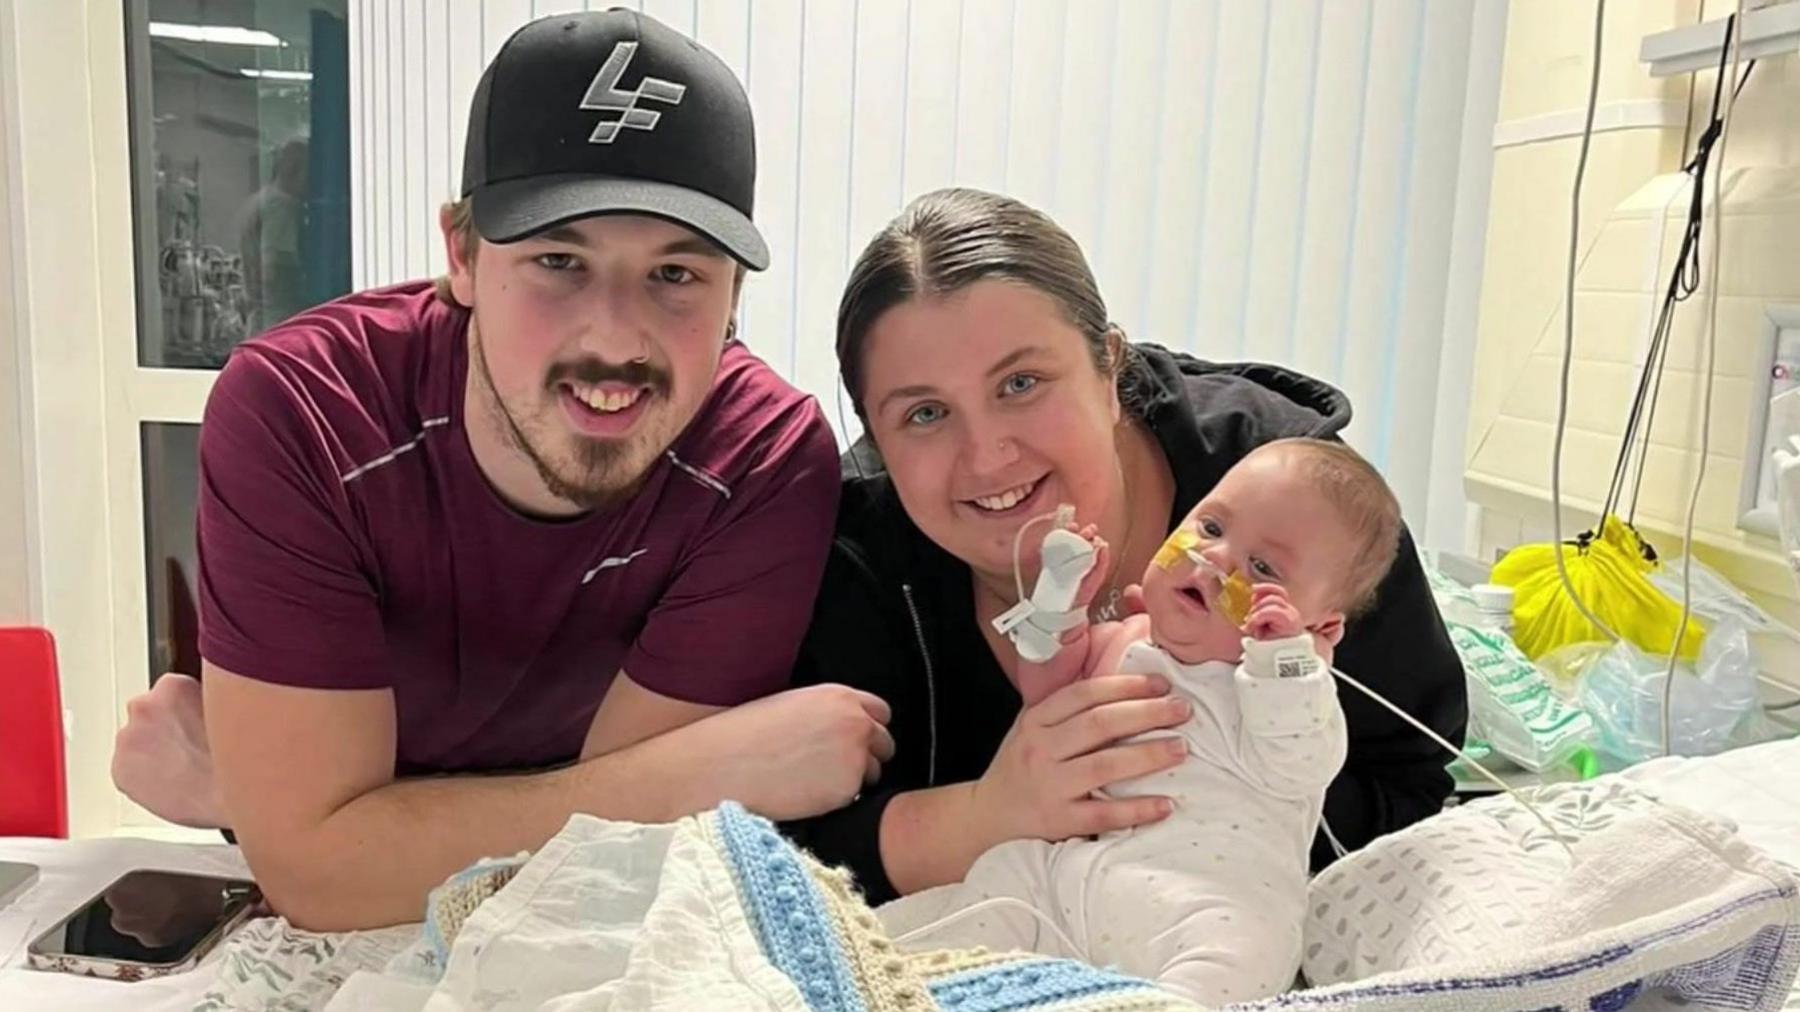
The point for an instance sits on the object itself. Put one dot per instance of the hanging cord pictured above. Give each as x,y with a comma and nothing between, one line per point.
1568,357
1684,280
1734,42
1459,753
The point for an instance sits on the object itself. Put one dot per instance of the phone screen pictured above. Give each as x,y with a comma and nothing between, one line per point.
154,917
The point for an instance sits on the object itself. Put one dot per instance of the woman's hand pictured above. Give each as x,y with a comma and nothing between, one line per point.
1063,749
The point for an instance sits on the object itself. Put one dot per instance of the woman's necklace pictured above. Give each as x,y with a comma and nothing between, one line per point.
1108,606
1110,603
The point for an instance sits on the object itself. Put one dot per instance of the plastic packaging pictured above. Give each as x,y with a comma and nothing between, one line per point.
1715,705
1512,703
1717,599
1512,706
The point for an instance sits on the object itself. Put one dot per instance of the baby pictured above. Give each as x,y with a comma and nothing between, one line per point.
1244,604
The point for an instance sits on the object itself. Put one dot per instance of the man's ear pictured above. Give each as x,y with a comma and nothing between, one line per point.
462,262
1330,628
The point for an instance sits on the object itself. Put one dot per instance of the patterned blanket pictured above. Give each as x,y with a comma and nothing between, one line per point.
718,911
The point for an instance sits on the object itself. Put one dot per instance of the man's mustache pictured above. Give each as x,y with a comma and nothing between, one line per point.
591,371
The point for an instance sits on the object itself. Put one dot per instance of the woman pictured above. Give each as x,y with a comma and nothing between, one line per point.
977,351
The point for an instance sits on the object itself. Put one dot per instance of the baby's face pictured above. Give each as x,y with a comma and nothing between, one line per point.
1262,520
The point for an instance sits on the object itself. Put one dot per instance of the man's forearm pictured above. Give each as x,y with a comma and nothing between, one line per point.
371,862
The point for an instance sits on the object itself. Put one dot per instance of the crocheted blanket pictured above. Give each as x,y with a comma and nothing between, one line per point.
716,911
720,912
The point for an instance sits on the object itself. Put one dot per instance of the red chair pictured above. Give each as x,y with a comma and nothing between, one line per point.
34,800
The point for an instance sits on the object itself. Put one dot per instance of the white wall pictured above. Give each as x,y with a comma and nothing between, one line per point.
1274,180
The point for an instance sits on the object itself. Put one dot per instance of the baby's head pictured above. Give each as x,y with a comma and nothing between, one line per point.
1308,514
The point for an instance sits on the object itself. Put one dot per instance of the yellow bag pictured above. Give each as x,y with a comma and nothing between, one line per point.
1611,574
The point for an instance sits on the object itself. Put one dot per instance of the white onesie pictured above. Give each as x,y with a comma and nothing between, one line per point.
1208,903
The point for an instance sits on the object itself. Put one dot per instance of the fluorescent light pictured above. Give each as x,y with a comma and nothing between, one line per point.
277,75
229,35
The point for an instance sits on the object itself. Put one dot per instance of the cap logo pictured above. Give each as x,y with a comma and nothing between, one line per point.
604,95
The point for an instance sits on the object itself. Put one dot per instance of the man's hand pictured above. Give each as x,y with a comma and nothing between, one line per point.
797,753
161,759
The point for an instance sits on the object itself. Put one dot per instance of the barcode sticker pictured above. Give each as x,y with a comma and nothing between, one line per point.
1293,667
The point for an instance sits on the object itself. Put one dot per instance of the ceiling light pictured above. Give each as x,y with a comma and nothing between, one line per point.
229,35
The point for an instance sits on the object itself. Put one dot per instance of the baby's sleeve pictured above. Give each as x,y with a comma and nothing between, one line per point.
1292,737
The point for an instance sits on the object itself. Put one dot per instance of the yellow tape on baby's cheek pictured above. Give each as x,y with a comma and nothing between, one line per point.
1235,595
1175,549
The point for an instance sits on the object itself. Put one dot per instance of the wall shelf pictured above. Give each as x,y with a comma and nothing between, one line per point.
1771,31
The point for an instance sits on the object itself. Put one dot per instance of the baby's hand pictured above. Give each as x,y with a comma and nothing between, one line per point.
1272,615
1091,583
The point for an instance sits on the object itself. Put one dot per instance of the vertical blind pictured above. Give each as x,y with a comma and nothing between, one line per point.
1251,180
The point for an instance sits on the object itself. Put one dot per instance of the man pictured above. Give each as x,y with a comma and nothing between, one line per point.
269,229
566,526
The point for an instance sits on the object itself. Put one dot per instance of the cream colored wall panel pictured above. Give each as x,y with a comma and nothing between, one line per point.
1742,333
1548,43
1616,259
1528,230
1761,255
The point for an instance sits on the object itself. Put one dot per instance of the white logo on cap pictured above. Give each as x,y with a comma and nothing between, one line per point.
603,95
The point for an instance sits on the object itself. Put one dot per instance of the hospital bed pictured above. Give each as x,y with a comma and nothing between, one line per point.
1756,788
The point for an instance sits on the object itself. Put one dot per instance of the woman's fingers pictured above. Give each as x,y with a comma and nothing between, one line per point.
1084,694
1110,722
1092,818
1122,762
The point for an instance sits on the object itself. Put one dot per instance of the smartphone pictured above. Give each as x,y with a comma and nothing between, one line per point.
146,924
15,878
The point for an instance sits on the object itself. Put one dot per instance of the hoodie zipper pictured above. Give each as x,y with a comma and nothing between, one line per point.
930,686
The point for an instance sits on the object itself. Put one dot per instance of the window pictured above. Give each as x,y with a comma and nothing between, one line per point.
241,170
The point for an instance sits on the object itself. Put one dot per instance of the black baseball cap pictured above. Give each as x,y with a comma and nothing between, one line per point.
611,112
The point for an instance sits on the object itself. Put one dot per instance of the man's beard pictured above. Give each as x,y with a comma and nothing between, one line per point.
602,473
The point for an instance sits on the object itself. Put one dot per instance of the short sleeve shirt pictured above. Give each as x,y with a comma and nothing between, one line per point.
348,540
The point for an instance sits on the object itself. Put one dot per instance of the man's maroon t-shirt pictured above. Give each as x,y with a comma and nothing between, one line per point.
349,541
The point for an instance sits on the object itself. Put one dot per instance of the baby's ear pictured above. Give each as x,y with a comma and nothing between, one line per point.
1330,628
